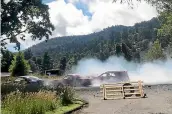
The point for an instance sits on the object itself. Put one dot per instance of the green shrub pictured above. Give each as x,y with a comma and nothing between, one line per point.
67,95
19,66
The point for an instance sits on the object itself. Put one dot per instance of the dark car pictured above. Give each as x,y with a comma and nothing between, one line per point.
29,80
107,77
114,76
72,80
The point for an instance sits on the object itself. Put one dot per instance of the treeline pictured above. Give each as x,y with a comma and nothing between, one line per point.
42,63
145,41
20,63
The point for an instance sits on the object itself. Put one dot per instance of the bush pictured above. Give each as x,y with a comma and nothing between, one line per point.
67,96
19,66
30,103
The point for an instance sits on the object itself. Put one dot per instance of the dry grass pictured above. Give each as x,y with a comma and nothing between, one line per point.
39,102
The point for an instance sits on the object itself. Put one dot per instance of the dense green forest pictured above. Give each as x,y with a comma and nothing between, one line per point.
101,44
128,41
145,41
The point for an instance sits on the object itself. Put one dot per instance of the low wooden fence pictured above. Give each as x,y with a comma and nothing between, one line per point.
122,90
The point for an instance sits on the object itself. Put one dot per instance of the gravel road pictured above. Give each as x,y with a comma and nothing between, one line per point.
159,101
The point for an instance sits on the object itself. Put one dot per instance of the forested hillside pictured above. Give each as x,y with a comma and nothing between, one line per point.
128,41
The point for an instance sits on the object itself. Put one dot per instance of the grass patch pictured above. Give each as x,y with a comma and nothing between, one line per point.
29,103
48,101
36,103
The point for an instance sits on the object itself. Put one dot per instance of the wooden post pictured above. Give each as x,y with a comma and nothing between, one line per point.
140,88
123,93
105,97
103,91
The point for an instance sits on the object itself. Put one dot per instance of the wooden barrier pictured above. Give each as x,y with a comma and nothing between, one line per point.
122,90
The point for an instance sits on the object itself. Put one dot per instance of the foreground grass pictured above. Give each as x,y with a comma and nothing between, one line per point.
29,103
58,101
59,110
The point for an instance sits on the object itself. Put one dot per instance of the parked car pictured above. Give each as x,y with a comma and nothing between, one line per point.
28,79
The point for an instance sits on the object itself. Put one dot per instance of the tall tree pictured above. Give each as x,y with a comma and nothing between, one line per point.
19,66
165,31
24,16
33,66
63,63
124,34
126,51
39,63
118,50
155,52
6,60
70,63
47,63
28,54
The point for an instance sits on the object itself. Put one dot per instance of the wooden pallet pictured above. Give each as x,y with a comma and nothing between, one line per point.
122,90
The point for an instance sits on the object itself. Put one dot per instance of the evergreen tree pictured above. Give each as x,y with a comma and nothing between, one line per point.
28,54
118,50
70,63
126,52
33,66
124,34
6,60
165,31
19,66
155,52
34,59
117,37
63,63
39,63
47,64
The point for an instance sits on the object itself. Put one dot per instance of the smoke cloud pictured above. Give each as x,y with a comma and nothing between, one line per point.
157,72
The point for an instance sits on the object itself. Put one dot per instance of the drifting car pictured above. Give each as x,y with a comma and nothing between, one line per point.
107,77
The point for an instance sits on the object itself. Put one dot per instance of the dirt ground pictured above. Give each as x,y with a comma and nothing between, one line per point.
158,101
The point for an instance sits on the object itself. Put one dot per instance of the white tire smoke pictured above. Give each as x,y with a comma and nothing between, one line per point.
157,72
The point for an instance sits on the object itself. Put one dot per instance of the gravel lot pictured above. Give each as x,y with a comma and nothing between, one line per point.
159,101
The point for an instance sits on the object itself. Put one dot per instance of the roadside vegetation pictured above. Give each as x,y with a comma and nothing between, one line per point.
40,101
29,103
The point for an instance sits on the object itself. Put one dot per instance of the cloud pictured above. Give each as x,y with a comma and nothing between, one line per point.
65,16
76,17
69,20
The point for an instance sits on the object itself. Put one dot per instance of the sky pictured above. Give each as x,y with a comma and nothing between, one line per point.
81,17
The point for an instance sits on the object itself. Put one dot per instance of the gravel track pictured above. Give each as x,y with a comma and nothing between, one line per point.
159,101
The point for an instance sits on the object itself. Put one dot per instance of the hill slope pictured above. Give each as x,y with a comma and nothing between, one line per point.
132,40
